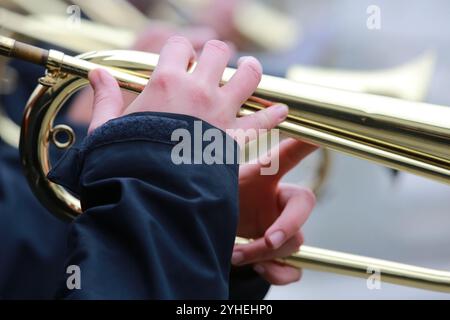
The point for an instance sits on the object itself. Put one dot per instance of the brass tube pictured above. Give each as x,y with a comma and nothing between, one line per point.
403,135
363,267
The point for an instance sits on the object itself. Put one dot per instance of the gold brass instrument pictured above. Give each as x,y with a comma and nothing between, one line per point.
400,134
408,81
118,13
268,29
38,7
57,31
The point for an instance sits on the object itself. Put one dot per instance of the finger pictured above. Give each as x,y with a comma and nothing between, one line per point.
287,154
108,102
199,36
244,82
258,250
153,38
290,153
267,118
297,204
176,55
213,61
277,274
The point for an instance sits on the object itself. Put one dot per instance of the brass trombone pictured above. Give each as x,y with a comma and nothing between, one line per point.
409,81
400,134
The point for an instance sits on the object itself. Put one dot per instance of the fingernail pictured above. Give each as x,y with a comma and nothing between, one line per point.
259,269
243,59
276,239
94,76
237,257
282,111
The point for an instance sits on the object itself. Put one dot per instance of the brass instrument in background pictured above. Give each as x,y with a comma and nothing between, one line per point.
400,134
56,30
116,27
409,81
268,29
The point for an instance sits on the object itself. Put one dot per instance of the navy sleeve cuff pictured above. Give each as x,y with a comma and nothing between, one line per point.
153,127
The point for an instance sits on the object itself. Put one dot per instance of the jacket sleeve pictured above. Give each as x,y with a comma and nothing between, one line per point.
151,228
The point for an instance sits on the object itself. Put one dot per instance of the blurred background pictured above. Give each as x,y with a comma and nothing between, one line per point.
390,47
363,208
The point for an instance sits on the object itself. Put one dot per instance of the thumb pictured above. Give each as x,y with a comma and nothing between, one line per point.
108,101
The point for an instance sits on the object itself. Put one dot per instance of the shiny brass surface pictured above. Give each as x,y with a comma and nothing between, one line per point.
362,267
269,28
118,13
56,30
404,135
409,81
41,6
6,46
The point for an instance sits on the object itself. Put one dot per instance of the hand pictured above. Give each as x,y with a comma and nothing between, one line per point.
152,39
272,213
172,89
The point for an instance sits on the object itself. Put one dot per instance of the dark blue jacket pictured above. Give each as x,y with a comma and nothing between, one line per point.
172,227
151,229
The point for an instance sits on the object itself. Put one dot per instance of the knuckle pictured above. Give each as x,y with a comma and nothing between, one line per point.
262,120
309,196
304,194
164,79
201,95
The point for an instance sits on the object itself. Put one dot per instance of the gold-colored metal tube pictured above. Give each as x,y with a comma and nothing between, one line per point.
400,134
6,46
363,267
405,135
